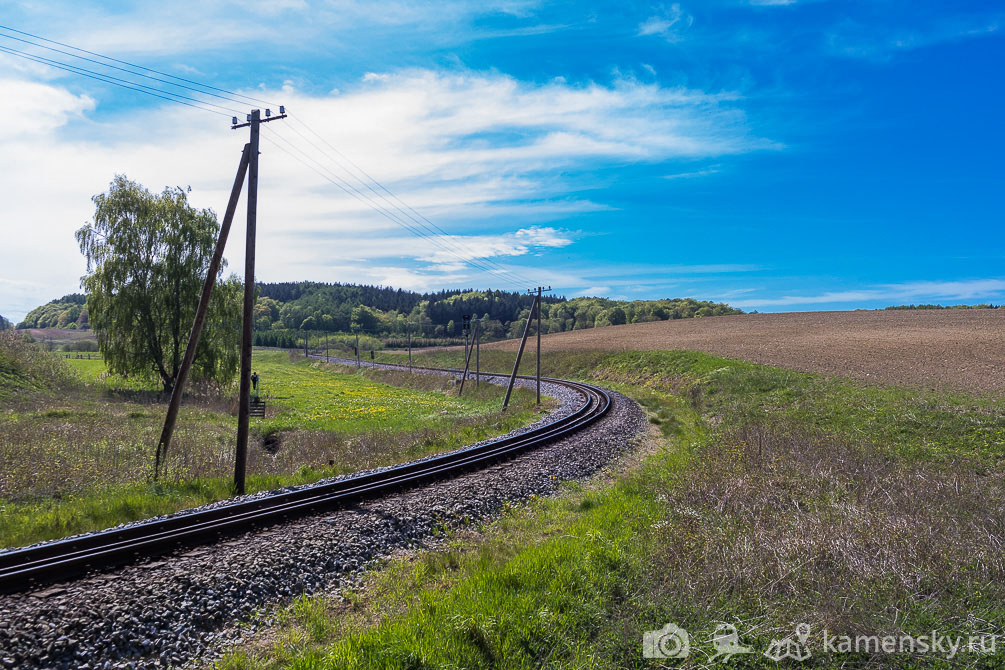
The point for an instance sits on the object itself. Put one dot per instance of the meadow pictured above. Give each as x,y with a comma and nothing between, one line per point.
762,498
77,456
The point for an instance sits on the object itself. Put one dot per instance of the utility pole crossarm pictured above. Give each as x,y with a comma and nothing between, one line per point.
268,117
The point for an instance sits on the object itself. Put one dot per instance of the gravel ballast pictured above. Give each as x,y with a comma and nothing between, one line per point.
195,604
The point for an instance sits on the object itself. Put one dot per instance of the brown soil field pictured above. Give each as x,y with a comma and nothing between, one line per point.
60,335
937,349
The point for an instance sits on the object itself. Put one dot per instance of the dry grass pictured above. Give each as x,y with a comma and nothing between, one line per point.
72,446
806,527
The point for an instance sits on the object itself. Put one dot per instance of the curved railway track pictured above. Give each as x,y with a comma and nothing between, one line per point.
64,560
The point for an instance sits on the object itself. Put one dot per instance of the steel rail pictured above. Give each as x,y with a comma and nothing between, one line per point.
63,560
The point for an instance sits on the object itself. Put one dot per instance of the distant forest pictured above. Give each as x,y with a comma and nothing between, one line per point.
69,312
285,310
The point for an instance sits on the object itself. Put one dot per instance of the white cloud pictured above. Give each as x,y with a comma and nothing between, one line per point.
593,291
543,237
40,108
908,292
491,159
669,24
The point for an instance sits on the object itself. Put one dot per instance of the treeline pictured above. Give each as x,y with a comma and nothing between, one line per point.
68,312
981,306
394,314
5,323
380,310
285,311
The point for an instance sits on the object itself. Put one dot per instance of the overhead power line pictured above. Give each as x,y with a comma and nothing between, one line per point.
348,176
163,95
394,213
396,203
134,65
353,192
121,69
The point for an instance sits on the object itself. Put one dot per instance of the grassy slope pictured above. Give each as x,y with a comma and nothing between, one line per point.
768,498
77,463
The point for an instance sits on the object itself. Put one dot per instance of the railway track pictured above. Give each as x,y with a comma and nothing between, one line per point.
65,560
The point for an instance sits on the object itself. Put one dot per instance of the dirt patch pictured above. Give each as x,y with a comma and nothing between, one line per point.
937,349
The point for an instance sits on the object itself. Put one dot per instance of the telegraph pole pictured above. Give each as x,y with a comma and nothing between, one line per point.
519,354
478,350
255,121
356,330
466,330
408,329
538,303
467,357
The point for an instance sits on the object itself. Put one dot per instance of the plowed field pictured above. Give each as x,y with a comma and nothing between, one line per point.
943,349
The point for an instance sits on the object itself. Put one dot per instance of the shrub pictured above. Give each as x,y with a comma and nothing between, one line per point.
24,366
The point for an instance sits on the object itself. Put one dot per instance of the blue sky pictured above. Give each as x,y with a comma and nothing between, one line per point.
780,156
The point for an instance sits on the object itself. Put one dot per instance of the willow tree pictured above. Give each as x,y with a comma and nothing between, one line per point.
147,256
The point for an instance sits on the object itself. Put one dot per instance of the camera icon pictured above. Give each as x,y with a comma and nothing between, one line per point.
671,641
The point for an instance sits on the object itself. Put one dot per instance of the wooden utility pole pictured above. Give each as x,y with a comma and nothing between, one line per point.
466,331
255,121
200,313
244,406
519,354
538,303
478,350
467,359
408,329
357,346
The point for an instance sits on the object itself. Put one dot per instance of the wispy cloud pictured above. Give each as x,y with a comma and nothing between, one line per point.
704,172
150,27
593,291
668,24
908,292
876,41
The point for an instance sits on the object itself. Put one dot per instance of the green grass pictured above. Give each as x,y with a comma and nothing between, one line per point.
914,423
94,373
765,498
313,398
82,461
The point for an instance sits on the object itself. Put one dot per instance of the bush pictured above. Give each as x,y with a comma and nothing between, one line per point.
24,366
